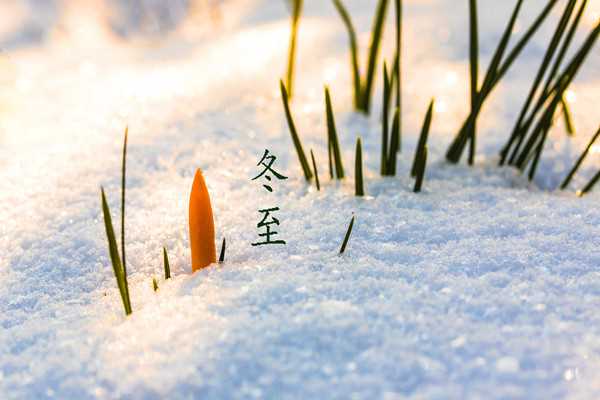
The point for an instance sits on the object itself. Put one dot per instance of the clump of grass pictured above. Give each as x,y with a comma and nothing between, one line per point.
580,160
166,265
296,11
223,248
497,69
527,114
359,186
421,165
347,237
536,131
332,137
422,145
295,138
314,163
119,268
363,90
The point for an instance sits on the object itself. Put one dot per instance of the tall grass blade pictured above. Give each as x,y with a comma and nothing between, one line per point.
356,80
330,156
421,165
296,11
347,237
166,264
568,117
333,137
590,185
114,255
123,185
359,186
580,160
395,145
385,121
294,133
397,131
422,139
474,67
223,249
312,156
376,36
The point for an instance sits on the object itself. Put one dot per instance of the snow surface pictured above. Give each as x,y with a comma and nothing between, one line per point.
483,286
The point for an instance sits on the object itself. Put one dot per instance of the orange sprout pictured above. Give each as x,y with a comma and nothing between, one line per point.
202,225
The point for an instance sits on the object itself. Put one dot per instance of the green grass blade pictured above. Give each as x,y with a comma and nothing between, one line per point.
223,249
166,264
114,254
385,121
568,117
347,237
580,160
353,52
474,68
590,185
514,54
376,36
333,137
296,11
395,144
294,133
330,156
421,165
398,71
123,185
422,139
359,186
155,284
312,156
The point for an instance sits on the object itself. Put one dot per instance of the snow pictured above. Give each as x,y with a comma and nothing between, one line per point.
483,286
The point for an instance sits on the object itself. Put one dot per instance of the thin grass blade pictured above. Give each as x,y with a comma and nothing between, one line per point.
294,133
353,52
590,185
223,249
359,186
312,156
347,237
333,137
421,166
394,145
580,160
166,264
422,138
114,254
376,36
385,121
296,11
